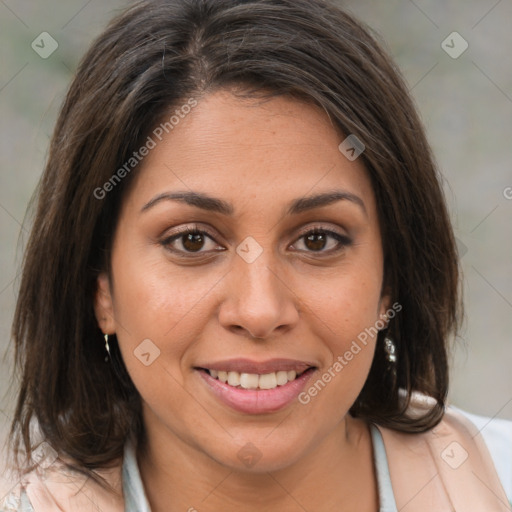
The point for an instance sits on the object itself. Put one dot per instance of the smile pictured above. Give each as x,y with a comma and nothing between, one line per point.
256,388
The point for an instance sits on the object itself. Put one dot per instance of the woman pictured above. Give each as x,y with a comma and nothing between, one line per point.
242,280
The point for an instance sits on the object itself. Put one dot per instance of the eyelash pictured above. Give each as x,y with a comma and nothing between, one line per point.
343,240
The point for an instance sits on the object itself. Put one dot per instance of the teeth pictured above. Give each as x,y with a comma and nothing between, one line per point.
249,380
268,381
233,378
282,378
253,380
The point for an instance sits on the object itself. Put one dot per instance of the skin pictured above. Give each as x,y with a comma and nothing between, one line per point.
295,301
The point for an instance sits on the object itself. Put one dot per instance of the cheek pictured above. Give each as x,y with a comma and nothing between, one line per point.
345,301
345,319
159,316
153,296
163,309
344,309
159,310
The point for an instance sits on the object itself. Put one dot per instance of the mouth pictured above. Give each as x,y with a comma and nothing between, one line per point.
256,388
254,380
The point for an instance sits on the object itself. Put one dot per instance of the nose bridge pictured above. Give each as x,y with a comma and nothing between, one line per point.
258,299
258,281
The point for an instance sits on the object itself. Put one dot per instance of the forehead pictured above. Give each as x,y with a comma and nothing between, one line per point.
249,151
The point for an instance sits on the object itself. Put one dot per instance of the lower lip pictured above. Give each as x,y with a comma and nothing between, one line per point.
258,401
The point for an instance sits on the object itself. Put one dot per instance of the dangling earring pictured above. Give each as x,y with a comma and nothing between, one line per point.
390,349
107,348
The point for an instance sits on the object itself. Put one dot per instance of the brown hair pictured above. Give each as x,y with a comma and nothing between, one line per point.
150,60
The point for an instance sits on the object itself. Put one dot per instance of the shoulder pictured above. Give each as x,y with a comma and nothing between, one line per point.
57,488
465,460
497,434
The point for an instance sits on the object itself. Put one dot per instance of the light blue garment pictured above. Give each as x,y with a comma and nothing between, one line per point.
497,434
386,497
134,495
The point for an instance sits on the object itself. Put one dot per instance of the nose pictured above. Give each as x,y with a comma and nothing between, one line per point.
258,302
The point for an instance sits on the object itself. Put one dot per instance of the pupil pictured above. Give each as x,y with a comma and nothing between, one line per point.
315,241
193,241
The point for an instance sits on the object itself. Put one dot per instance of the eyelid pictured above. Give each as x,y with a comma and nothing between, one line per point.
320,227
174,235
186,228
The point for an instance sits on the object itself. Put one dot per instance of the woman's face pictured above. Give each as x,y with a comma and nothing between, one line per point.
280,272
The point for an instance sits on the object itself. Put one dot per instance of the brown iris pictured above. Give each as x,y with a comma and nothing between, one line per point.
193,241
315,241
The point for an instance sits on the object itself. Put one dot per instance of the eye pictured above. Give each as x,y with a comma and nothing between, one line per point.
322,241
191,241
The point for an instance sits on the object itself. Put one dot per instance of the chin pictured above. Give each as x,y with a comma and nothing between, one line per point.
261,455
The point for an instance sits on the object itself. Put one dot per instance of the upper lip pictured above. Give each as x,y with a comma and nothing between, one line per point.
258,367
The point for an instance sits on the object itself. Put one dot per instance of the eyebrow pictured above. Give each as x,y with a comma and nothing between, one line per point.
213,204
324,199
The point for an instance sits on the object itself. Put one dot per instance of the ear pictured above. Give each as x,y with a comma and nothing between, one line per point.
385,301
103,305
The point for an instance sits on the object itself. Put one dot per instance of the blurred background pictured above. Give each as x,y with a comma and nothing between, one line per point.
455,57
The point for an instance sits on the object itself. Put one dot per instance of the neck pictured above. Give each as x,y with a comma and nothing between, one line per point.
338,474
